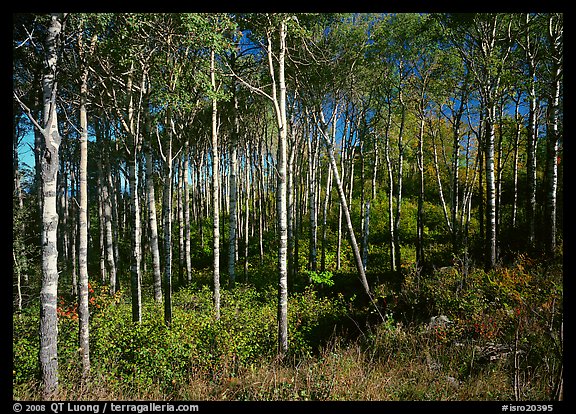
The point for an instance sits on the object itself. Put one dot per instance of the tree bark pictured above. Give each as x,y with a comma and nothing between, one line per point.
399,185
180,210
167,214
49,170
187,240
343,202
215,194
152,221
420,214
132,161
393,264
325,219
312,167
232,241
281,192
555,33
490,188
83,311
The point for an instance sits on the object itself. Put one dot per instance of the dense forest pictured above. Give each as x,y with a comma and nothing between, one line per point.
276,206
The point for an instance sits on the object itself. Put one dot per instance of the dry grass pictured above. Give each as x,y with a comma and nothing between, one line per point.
341,372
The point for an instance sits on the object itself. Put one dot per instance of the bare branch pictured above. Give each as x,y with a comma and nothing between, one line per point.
249,86
28,113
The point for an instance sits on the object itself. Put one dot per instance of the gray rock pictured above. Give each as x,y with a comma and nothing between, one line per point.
441,321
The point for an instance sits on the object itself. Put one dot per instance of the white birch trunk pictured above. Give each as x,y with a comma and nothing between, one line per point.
215,194
153,224
49,170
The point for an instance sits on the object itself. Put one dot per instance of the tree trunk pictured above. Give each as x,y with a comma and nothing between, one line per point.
152,221
48,354
455,171
439,182
293,147
420,214
232,241
365,236
555,33
83,312
249,184
343,202
132,161
517,133
312,167
215,194
393,264
281,193
167,214
530,48
110,218
490,188
180,210
399,186
325,219
101,225
260,202
187,240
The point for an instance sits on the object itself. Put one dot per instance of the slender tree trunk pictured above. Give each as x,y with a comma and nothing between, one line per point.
297,218
290,201
365,235
420,214
552,168
152,221
18,247
180,210
439,182
232,242
16,268
343,202
454,209
530,48
101,226
281,193
83,312
390,170
109,220
135,239
215,194
132,161
339,232
261,203
490,188
375,170
325,219
399,185
49,170
187,240
167,213
312,167
73,236
515,162
249,184
555,36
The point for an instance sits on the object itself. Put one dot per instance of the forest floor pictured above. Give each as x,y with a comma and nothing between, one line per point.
453,334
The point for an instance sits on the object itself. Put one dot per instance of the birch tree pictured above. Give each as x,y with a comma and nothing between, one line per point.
553,126
215,191
275,32
485,44
83,312
49,162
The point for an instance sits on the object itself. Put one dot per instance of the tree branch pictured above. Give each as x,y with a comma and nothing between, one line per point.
28,113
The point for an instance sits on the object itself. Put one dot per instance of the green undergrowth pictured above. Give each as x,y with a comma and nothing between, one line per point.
340,349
